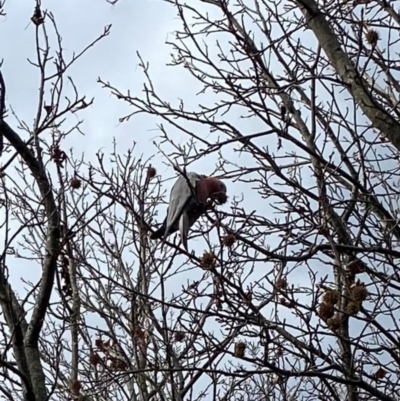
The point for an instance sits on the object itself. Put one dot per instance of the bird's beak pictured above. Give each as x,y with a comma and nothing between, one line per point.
220,197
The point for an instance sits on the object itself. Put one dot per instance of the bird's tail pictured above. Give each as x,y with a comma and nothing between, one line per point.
184,226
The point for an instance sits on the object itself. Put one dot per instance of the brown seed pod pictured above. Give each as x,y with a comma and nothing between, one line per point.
281,283
372,37
228,240
179,336
151,172
75,387
285,302
57,155
94,358
75,183
37,17
240,349
359,292
208,260
356,267
353,308
331,297
334,324
326,311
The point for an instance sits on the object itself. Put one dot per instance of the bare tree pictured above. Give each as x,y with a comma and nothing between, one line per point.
39,221
295,292
308,281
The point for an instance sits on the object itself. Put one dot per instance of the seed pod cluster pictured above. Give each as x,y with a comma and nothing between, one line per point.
208,261
372,37
228,240
358,294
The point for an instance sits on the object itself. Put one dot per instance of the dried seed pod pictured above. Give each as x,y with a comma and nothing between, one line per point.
151,172
179,336
75,183
356,267
331,297
57,155
359,293
229,240
37,17
372,37
326,311
75,387
208,260
94,358
353,308
240,349
285,302
281,283
334,324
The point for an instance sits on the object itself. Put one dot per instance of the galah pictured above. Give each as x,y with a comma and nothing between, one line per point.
187,203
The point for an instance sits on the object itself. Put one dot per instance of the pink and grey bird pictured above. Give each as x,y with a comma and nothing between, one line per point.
187,202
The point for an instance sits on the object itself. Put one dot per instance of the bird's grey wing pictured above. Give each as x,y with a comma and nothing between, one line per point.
185,220
180,195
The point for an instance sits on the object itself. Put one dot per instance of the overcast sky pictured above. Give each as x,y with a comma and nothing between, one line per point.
137,26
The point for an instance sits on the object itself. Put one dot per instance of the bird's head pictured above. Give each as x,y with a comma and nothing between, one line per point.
216,190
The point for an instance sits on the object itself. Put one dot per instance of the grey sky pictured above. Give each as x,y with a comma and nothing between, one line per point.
140,26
